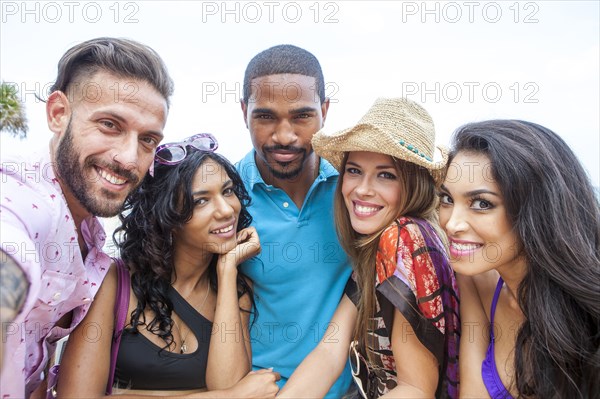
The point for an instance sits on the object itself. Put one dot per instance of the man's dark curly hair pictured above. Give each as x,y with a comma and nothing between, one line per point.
284,59
160,205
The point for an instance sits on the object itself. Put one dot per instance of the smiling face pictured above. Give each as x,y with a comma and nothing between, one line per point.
371,189
282,114
105,138
473,214
214,221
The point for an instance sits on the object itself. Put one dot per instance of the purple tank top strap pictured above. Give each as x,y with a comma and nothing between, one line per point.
493,307
489,372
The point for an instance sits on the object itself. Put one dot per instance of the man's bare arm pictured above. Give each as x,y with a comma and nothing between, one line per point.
13,287
13,291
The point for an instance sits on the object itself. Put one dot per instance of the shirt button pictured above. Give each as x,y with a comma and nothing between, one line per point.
285,204
56,296
87,299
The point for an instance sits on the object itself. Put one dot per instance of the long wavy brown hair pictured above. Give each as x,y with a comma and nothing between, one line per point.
417,199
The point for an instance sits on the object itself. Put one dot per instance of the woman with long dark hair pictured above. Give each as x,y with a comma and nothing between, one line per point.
523,225
183,234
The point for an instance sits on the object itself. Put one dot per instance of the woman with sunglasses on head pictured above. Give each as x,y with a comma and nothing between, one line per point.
399,313
184,231
523,223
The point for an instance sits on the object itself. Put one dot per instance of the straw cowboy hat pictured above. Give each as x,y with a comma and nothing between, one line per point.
394,126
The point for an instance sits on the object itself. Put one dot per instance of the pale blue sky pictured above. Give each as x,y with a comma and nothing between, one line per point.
464,61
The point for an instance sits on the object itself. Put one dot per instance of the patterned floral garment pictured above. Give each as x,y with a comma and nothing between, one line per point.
413,276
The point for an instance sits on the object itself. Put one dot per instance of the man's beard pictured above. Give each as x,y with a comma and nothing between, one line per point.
286,173
73,175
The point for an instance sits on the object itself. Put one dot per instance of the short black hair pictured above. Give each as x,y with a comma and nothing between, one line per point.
284,59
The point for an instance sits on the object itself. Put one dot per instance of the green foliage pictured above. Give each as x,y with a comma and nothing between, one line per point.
12,111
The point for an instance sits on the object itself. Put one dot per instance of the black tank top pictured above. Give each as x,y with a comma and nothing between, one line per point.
143,365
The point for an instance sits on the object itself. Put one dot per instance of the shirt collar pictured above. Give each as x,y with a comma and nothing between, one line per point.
91,228
93,233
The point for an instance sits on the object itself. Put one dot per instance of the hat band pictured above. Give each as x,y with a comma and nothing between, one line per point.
414,149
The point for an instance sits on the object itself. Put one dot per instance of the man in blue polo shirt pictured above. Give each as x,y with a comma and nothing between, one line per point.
300,275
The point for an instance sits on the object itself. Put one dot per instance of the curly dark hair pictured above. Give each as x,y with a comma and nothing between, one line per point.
161,204
551,204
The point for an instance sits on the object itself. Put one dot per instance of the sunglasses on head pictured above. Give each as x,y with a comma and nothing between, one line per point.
173,153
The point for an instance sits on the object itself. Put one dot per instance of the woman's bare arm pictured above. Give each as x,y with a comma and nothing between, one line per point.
321,368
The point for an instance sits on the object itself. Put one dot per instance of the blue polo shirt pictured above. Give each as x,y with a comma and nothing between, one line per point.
300,274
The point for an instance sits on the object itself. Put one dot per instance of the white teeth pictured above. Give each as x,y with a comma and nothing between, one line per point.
223,230
111,178
365,209
464,247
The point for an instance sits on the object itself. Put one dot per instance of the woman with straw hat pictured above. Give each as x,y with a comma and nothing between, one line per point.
398,320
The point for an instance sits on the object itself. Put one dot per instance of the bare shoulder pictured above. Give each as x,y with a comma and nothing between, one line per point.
474,338
109,284
487,279
485,284
471,304
104,301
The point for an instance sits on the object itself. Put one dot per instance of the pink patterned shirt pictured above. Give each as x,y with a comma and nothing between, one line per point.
38,232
